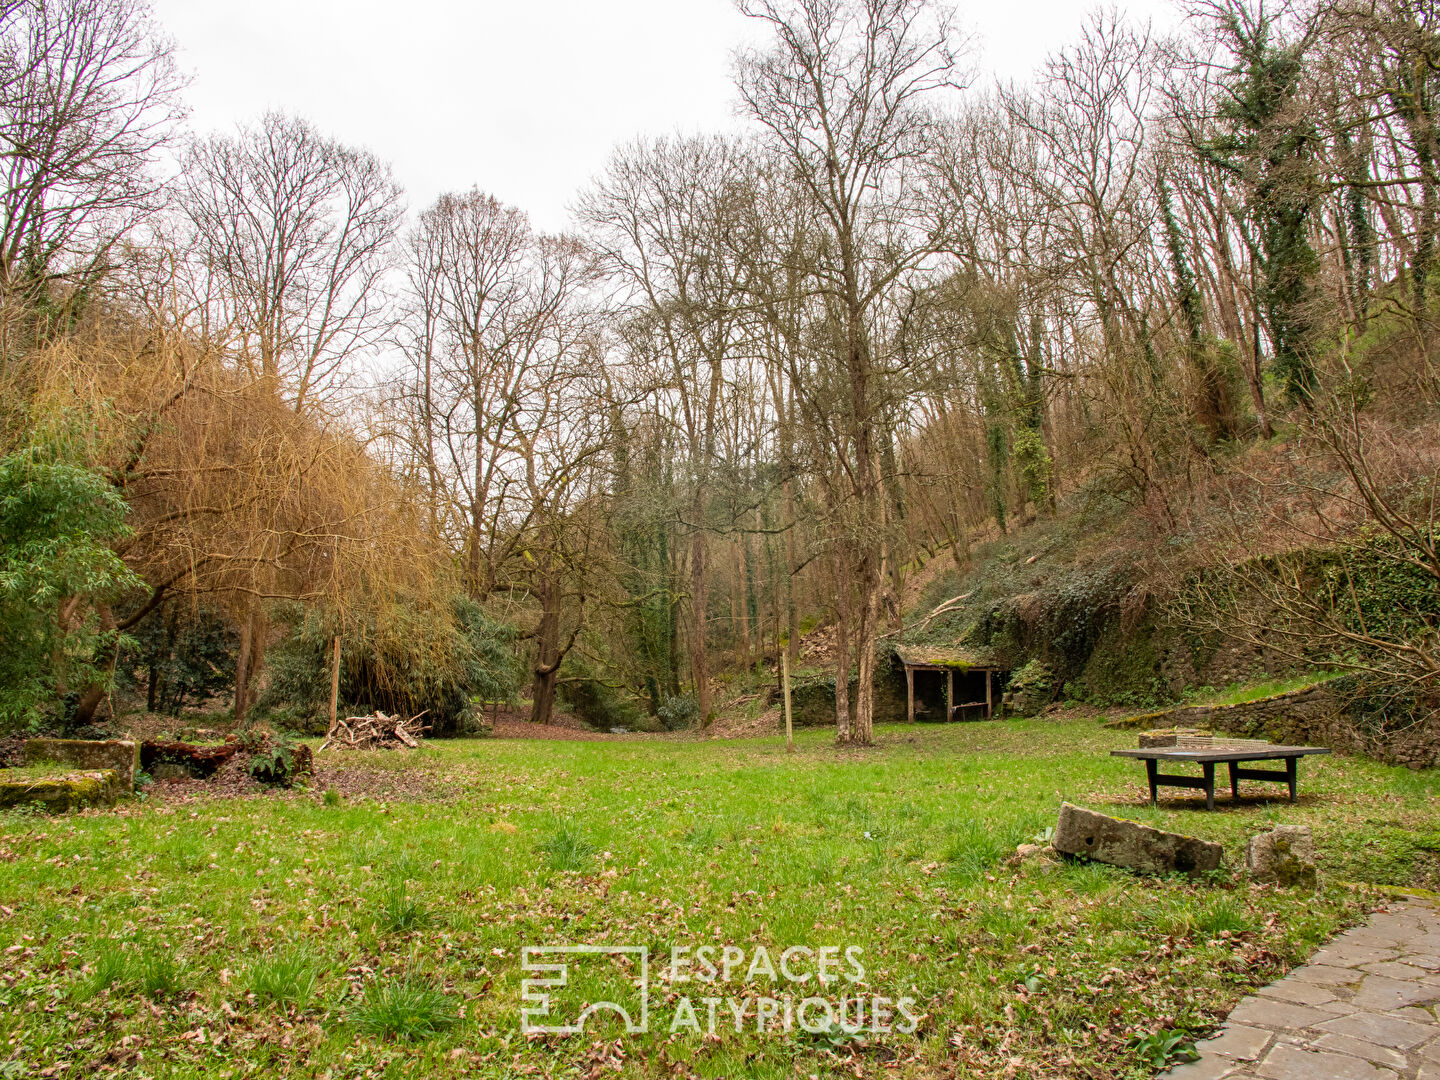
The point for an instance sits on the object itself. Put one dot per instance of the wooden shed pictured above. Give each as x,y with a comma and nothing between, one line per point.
976,674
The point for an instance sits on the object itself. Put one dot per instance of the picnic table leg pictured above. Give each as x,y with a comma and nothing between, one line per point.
1290,763
1234,780
1152,772
1209,768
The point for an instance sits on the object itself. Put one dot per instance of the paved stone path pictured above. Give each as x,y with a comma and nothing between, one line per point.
1363,1008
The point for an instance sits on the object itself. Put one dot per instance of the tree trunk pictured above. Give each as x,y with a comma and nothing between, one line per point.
842,650
785,689
93,694
1256,377
699,603
672,643
334,685
251,659
740,598
792,615
547,658
872,582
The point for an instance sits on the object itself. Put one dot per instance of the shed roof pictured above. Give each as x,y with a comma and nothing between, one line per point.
946,656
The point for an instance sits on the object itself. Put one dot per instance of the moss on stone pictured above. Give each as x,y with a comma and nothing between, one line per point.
60,793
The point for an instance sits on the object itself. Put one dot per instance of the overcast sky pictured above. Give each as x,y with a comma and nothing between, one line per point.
525,98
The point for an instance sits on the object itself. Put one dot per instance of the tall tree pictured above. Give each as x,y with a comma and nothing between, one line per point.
1264,138
291,231
89,93
660,217
842,96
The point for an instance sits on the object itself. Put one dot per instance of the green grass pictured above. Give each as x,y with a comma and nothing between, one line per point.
399,910
45,770
307,937
1238,693
285,978
401,1009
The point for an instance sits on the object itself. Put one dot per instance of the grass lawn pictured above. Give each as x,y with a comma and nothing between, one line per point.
1254,691
298,935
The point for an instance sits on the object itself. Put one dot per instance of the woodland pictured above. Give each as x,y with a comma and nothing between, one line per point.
1119,381
267,430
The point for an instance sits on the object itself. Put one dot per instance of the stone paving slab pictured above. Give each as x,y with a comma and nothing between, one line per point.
1364,1008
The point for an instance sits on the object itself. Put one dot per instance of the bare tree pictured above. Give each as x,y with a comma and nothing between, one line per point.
841,98
291,235
660,216
472,317
88,93
499,349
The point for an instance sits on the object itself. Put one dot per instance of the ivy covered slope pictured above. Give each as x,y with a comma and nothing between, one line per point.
1089,604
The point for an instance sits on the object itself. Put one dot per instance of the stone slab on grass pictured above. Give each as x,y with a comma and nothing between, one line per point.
1088,835
61,793
119,755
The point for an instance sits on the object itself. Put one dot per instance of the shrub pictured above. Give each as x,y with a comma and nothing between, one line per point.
180,657
57,520
679,712
280,761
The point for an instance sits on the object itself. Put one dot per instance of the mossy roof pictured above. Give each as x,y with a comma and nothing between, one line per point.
945,656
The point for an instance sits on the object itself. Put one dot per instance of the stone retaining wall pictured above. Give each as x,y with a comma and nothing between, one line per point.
1316,715
119,755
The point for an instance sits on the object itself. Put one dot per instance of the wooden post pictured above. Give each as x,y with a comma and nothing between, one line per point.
334,684
989,706
949,694
910,689
785,682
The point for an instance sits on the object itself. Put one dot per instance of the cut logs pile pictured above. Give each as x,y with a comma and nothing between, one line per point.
376,732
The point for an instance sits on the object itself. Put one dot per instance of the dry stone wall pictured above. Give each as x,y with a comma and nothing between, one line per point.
1322,714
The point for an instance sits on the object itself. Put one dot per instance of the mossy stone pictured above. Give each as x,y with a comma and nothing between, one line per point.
61,793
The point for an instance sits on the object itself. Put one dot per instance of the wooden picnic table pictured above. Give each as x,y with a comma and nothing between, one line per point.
1208,757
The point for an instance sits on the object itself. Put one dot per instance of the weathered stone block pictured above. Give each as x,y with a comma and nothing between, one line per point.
119,755
57,794
1168,736
1283,856
1106,839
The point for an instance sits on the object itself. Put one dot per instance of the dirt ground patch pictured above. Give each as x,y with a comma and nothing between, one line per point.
514,726
769,722
232,781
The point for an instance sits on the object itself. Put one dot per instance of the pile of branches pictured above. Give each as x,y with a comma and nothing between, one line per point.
376,732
